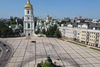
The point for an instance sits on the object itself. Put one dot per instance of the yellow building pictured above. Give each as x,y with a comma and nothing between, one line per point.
83,36
93,38
90,37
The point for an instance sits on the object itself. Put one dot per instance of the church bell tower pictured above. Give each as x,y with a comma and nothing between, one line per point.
28,19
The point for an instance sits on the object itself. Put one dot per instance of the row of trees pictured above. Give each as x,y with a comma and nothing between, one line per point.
64,22
13,21
52,31
6,31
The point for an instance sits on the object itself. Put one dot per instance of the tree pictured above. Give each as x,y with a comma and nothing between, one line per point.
58,33
48,64
55,27
3,29
10,31
2,24
64,22
20,22
13,22
11,18
43,31
8,23
17,31
74,21
51,31
37,32
47,32
39,65
4,32
0,33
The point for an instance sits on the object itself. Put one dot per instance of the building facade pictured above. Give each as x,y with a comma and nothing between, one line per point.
90,37
46,24
82,34
28,20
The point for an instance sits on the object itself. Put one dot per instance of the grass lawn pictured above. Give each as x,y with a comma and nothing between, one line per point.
61,39
77,43
95,48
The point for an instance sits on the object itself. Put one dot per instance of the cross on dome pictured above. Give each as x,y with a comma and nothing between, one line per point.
28,1
28,5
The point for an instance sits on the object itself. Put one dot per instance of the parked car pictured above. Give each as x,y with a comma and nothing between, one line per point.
33,41
22,35
4,45
7,50
41,35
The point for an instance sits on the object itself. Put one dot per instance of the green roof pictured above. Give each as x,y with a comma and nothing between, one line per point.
13,25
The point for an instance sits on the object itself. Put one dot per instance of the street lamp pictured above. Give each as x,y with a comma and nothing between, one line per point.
64,32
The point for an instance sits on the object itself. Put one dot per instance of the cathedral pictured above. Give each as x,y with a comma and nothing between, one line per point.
45,24
28,20
29,24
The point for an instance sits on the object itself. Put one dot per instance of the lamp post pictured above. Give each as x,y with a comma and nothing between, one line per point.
64,31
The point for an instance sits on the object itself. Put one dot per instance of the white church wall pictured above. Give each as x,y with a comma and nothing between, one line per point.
28,19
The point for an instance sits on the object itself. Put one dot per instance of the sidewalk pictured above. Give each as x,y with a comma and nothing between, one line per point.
88,46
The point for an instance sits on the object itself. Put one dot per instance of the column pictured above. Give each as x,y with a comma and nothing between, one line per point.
26,25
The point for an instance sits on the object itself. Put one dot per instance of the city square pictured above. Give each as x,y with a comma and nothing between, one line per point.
28,54
69,36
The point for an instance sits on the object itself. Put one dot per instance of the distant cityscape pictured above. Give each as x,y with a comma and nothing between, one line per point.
75,19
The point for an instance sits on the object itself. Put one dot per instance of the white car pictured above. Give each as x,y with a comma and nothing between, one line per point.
22,35
41,35
7,50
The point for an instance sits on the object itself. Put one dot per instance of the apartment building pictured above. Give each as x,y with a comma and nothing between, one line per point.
90,37
70,33
83,36
67,32
86,36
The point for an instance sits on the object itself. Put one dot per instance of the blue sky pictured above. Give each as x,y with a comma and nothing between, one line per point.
55,8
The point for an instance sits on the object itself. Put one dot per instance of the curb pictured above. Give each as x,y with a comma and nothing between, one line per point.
12,49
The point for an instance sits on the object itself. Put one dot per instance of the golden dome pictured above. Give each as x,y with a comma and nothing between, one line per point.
47,17
28,5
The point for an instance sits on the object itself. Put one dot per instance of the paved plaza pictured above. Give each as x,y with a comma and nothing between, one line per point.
27,54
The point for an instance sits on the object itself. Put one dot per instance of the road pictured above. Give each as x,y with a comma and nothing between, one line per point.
5,56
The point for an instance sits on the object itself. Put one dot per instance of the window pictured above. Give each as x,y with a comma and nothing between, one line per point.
28,18
28,12
83,35
94,36
83,31
78,33
28,25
